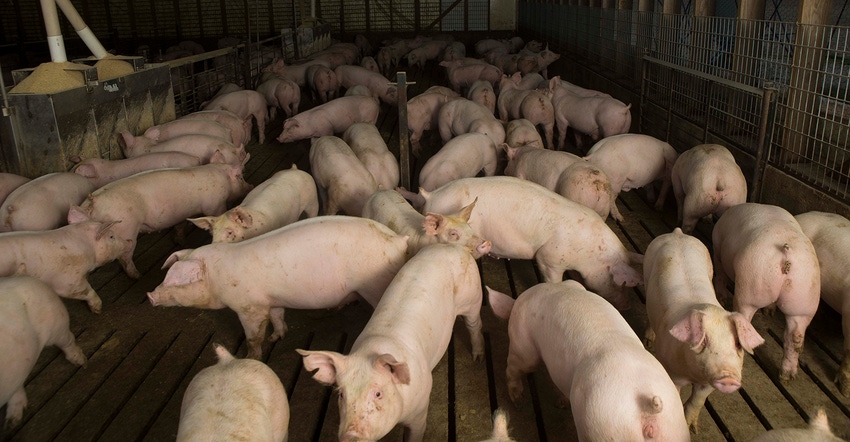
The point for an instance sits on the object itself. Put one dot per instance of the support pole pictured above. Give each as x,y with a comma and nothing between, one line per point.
82,29
55,43
403,140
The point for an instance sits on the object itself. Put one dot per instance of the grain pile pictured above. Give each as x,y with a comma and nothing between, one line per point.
50,78
109,67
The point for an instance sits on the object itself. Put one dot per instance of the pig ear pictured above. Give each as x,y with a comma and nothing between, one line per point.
77,215
466,212
153,133
125,140
21,270
86,170
217,157
501,303
183,273
516,77
240,216
624,275
399,370
690,330
511,152
204,222
554,83
431,223
329,363
176,256
748,337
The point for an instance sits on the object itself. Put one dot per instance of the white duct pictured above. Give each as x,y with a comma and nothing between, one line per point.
80,26
312,8
55,43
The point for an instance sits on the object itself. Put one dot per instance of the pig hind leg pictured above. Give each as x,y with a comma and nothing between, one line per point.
792,342
473,325
88,294
68,344
254,320
278,324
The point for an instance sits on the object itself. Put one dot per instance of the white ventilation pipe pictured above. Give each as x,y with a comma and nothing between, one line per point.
55,43
82,29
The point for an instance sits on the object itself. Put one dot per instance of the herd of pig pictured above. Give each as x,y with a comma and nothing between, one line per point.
414,261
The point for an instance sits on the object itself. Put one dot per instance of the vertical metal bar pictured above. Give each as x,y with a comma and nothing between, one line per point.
342,20
669,106
224,28
644,74
368,17
403,147
272,22
761,158
708,108
131,15
200,17
177,20
417,15
466,15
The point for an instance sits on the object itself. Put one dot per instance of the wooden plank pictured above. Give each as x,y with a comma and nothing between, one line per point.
471,391
310,399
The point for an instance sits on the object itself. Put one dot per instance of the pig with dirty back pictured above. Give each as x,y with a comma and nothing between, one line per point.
63,257
830,236
278,201
771,261
386,378
521,132
147,202
697,341
584,341
260,277
31,318
526,221
534,106
43,203
236,399
706,181
388,207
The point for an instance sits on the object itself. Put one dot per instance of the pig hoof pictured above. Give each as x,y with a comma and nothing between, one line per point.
787,376
844,388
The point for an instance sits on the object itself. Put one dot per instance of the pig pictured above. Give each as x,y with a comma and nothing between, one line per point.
280,93
503,60
369,147
237,399
363,44
358,89
482,93
260,277
521,132
632,161
371,64
525,221
763,250
454,51
31,318
102,172
388,207
500,428
563,173
224,89
380,86
385,59
423,113
428,51
532,80
830,236
465,155
240,129
63,257
43,203
386,377
334,58
323,82
176,128
583,342
536,62
706,181
696,340
245,103
483,47
578,90
276,202
598,117
461,116
534,46
343,181
296,73
330,118
201,146
148,201
8,183
532,105
818,430
463,72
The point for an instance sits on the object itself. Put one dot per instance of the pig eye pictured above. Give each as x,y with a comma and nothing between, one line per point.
453,234
378,395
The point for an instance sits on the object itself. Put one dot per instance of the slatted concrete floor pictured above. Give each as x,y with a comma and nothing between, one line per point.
142,358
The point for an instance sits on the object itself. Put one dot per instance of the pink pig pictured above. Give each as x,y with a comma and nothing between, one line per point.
763,250
343,181
818,430
463,72
201,146
706,181
461,116
696,340
43,203
31,318
176,128
525,221
454,51
428,51
616,389
371,64
386,377
280,93
330,118
240,129
380,86
296,73
388,207
262,276
532,105
63,257
423,113
464,156
102,172
8,183
521,132
240,399
245,103
597,116
276,202
147,202
323,83
482,93
368,145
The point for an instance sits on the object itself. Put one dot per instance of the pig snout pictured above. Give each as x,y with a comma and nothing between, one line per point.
483,249
154,301
726,384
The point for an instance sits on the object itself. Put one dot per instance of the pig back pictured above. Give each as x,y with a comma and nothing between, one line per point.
43,203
